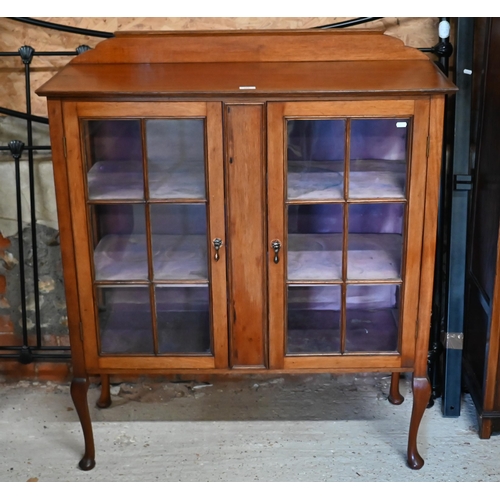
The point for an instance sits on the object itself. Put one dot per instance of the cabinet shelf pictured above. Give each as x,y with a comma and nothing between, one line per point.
368,179
108,180
124,180
184,180
315,180
175,257
319,257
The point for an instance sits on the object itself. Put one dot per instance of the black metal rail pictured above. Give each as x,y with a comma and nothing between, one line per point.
349,23
28,353
62,27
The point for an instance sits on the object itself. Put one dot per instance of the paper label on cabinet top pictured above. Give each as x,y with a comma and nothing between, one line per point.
248,87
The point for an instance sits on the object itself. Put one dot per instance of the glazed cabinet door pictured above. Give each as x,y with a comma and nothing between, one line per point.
346,189
147,200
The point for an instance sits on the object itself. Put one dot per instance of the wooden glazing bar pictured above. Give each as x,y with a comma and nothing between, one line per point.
98,299
345,235
347,160
180,201
374,201
314,282
94,231
116,201
121,282
357,201
145,174
149,238
87,159
87,153
314,202
403,276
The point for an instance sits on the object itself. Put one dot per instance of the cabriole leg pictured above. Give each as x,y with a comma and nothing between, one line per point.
104,400
395,396
79,389
421,395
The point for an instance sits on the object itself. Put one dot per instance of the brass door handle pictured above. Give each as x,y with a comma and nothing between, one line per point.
276,245
217,244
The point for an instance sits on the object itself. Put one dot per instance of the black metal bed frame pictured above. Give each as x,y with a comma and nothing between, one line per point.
28,353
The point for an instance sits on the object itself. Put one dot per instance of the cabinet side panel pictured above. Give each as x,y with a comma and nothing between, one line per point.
79,218
246,234
57,137
429,234
415,225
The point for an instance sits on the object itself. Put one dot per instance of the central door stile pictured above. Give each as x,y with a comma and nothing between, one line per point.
245,195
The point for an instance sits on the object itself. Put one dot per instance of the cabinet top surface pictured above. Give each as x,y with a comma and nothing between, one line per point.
248,63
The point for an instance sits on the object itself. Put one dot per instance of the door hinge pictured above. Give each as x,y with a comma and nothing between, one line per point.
428,146
81,331
462,182
454,341
64,148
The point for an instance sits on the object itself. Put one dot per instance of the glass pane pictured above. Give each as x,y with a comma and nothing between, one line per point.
120,242
114,159
372,318
375,241
313,319
125,320
183,319
315,242
315,155
378,158
176,158
179,235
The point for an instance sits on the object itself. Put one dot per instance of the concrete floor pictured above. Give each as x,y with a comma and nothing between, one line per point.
294,428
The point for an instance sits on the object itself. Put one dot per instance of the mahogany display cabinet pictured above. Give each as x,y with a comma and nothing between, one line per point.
249,202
